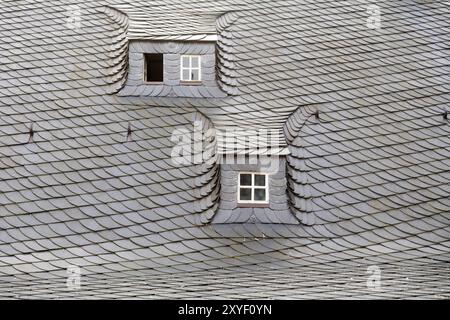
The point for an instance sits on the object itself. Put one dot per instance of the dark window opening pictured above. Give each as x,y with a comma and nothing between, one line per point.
154,67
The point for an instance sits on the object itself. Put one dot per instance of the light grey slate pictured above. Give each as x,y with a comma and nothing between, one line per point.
357,114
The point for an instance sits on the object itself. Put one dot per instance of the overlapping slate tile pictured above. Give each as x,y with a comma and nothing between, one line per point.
367,179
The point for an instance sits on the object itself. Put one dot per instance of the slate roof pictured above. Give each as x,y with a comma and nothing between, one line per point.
367,179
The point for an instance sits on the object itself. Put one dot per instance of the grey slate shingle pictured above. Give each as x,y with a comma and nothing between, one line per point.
367,182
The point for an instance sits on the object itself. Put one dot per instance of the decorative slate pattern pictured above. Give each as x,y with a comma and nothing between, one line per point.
119,50
176,20
368,178
415,280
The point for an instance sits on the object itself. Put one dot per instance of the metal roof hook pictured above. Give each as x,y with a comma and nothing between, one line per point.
317,115
30,134
129,132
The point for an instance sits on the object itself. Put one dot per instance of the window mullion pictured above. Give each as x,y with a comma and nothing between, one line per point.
190,68
253,187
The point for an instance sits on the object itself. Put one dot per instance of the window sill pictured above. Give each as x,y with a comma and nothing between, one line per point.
159,83
191,83
253,205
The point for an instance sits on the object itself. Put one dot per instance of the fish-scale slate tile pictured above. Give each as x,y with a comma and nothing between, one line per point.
360,111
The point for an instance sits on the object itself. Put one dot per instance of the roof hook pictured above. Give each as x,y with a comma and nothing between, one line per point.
31,134
129,132
317,115
445,115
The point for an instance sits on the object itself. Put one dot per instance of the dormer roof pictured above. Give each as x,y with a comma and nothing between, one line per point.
173,21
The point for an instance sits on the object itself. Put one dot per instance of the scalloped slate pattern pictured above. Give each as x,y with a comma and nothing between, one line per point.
368,179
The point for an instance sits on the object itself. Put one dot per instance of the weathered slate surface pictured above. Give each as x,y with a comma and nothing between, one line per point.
368,179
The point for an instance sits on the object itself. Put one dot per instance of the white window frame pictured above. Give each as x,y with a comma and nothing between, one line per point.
253,187
190,68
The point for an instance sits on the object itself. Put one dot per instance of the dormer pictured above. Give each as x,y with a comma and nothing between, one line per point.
172,58
185,69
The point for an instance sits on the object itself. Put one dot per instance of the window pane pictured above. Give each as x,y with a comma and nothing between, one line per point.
260,180
260,194
185,74
194,62
246,179
195,75
245,194
185,63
